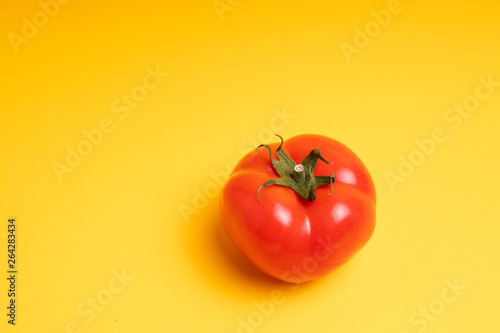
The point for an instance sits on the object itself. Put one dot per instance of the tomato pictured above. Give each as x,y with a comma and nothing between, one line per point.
299,221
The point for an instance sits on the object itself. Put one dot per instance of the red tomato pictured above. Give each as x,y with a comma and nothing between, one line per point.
285,218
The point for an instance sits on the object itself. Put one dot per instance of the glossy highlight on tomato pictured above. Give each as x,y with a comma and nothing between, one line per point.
299,209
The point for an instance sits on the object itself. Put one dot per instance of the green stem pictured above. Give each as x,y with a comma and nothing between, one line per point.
299,177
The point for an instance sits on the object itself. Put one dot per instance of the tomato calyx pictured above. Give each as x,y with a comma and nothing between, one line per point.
298,177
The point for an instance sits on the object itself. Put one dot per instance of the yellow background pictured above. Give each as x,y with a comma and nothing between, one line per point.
143,202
